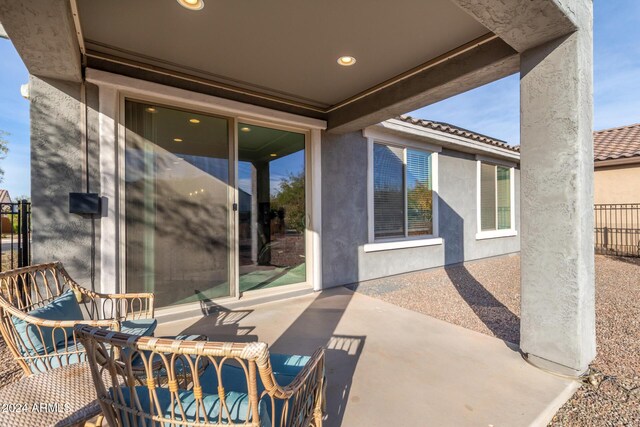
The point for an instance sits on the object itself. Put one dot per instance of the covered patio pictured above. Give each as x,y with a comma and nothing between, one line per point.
290,66
390,366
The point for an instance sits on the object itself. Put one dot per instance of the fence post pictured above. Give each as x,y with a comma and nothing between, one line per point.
23,257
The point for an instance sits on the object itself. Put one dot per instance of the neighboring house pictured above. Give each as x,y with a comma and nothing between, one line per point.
5,197
174,117
617,165
5,220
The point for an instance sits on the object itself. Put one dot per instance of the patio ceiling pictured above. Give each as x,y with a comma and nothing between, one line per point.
282,54
285,48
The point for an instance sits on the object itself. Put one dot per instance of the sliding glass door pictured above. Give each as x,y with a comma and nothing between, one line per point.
179,197
272,207
176,202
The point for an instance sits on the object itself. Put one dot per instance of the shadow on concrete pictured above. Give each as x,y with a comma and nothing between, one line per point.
501,321
221,324
316,327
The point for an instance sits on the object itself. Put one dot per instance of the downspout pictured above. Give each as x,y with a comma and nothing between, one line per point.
85,134
84,126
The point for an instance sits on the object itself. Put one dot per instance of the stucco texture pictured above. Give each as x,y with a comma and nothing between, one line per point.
556,104
57,157
345,217
617,184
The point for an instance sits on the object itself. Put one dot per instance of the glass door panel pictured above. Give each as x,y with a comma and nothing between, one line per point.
176,204
271,207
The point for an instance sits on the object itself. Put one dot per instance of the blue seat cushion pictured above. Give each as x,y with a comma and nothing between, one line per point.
64,307
137,362
74,353
141,327
237,403
285,368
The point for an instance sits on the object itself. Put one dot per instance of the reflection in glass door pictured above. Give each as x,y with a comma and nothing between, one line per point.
271,205
176,204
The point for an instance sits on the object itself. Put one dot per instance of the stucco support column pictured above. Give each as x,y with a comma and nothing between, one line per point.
558,316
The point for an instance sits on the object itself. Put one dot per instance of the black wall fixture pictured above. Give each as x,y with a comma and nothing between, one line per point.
84,203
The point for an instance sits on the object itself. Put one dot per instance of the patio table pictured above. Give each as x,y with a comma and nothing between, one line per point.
60,397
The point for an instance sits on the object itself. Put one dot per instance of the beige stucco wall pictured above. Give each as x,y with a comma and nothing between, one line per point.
617,184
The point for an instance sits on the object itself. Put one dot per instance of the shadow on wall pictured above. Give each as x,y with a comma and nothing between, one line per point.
503,323
58,168
57,153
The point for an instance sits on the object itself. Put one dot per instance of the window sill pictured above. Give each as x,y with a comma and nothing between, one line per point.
495,234
402,244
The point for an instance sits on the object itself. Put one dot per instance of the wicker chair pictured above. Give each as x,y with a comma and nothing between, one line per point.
40,305
202,383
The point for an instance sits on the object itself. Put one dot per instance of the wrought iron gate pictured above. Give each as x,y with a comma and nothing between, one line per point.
617,229
15,234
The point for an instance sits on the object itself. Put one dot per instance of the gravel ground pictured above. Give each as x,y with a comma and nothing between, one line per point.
485,296
9,370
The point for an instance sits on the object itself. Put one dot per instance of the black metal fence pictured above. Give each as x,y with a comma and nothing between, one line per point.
617,229
15,234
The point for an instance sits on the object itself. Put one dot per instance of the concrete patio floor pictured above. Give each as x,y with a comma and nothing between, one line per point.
390,366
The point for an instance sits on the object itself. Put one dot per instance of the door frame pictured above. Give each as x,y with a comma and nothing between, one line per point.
121,173
113,90
308,235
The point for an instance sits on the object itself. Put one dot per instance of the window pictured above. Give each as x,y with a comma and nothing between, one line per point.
495,199
403,192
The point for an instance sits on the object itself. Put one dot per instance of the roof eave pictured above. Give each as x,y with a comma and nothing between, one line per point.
447,140
617,162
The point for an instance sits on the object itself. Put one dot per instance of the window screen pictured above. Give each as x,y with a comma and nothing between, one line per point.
402,192
495,197
488,197
388,192
504,198
419,193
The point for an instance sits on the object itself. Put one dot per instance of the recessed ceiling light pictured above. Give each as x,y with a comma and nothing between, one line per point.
245,129
151,110
273,154
177,139
346,61
194,121
192,4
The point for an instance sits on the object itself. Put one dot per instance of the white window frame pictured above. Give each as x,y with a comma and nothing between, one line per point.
492,234
375,137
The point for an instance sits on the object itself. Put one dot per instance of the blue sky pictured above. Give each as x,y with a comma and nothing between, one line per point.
492,109
14,118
